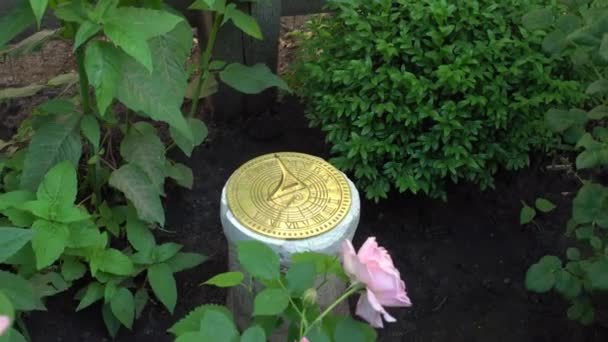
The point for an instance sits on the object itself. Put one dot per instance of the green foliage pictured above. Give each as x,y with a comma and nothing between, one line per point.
580,34
416,94
528,213
278,298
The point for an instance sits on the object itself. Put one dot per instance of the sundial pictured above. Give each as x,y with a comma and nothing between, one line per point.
288,195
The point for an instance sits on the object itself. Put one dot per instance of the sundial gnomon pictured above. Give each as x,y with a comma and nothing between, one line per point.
288,195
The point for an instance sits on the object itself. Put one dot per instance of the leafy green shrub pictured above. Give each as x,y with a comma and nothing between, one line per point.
414,93
581,34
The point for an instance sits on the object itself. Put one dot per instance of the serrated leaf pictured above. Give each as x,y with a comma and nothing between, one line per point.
139,235
160,94
162,282
526,215
59,186
541,277
347,329
146,150
103,64
215,326
254,334
113,261
300,277
181,174
270,302
192,321
72,269
544,205
183,261
227,279
123,307
138,189
251,79
12,240
49,242
258,260
86,30
199,133
20,292
57,140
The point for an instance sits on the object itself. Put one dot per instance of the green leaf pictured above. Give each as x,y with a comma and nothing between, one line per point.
166,251
251,79
599,87
560,120
597,272
243,21
596,243
112,323
103,64
123,307
215,326
590,204
12,240
49,242
146,150
138,189
86,30
209,5
254,334
208,88
160,94
300,277
541,277
72,269
270,302
38,8
199,134
20,292
544,205
59,186
568,285
323,263
141,299
538,19
227,279
163,284
139,235
190,337
181,174
350,330
603,51
598,113
183,261
258,259
11,93
526,215
55,141
6,307
555,42
14,198
93,293
90,129
192,321
130,28
15,21
113,261
573,254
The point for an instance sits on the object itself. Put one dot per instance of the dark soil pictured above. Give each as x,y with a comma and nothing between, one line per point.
463,261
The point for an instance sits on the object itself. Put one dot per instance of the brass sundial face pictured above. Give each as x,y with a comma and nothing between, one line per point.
288,195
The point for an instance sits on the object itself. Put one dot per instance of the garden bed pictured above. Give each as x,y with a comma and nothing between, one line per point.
463,261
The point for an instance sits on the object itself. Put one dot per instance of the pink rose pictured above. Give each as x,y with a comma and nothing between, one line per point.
304,339
374,267
5,323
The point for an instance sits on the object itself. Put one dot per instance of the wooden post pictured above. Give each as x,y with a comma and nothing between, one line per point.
301,7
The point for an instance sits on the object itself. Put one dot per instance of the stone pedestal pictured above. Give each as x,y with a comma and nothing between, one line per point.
240,302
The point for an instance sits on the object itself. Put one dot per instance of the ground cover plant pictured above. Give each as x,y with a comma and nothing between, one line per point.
581,34
416,94
84,180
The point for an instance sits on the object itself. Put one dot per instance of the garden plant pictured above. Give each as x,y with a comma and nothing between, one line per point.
290,297
83,180
416,94
580,33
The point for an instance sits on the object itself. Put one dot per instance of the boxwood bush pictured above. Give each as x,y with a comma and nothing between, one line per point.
413,94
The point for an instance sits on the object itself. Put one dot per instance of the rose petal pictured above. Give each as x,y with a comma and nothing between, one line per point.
366,311
304,339
352,266
5,323
368,249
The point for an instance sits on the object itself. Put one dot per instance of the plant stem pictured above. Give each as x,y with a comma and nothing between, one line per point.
84,81
204,60
354,288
